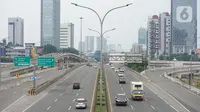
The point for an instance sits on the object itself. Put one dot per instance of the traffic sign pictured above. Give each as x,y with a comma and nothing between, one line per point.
33,77
22,61
46,61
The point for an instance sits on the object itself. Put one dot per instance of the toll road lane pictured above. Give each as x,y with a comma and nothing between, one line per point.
114,89
156,103
62,96
12,94
86,91
184,96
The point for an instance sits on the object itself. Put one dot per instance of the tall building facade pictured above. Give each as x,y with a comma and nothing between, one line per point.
16,31
164,33
50,22
67,35
153,37
89,44
137,49
81,47
111,48
184,26
142,36
98,44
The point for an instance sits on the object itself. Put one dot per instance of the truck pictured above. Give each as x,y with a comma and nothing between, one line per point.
137,90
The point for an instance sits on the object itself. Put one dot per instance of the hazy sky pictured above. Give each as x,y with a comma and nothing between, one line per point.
127,21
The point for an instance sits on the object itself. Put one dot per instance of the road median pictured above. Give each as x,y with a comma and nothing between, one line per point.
98,93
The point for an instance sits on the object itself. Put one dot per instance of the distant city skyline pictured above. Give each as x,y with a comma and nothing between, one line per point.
126,27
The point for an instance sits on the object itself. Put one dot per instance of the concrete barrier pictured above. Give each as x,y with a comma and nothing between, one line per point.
181,83
46,84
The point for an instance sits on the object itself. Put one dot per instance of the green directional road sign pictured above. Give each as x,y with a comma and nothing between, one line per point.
46,61
22,61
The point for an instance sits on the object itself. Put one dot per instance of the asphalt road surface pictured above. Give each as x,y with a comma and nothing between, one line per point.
190,100
10,95
62,97
152,102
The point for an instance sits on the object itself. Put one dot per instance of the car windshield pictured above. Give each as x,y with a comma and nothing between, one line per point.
80,100
121,97
122,78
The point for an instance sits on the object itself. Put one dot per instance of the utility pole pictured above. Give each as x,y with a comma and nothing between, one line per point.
81,42
34,77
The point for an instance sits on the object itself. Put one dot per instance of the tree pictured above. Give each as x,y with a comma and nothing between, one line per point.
69,50
10,44
49,49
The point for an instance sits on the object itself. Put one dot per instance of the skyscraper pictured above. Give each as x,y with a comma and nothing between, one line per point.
81,48
153,38
112,47
71,35
89,43
50,22
66,35
142,36
105,45
16,31
98,43
164,33
184,26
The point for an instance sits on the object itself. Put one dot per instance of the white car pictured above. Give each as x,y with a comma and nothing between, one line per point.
121,70
95,66
116,70
113,67
81,103
120,75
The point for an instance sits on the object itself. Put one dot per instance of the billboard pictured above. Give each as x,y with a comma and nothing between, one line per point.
184,25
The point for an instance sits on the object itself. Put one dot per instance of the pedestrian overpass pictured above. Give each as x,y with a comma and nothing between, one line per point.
125,58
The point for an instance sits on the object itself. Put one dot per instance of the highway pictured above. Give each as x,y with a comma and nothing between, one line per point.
190,100
152,102
62,97
10,95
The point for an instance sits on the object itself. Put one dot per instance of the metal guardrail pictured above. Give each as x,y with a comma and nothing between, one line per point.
46,84
181,83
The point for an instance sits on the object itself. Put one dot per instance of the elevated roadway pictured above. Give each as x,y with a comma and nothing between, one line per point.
190,100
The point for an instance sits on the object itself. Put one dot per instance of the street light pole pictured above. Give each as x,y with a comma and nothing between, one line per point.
81,44
103,34
101,20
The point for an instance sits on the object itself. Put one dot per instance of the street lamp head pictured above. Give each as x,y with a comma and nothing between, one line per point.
74,4
129,4
114,29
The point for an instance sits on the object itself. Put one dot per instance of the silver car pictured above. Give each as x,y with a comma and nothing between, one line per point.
81,103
